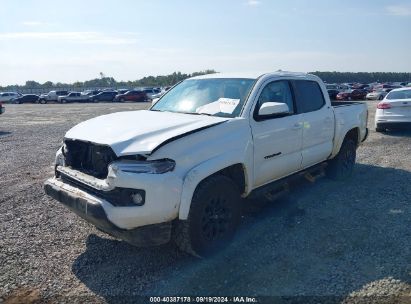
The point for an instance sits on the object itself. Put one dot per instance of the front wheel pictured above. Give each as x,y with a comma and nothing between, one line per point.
342,165
213,218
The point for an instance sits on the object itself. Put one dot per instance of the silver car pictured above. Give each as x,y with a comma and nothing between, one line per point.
73,97
376,95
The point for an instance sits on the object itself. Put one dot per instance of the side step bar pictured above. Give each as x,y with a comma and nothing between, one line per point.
280,187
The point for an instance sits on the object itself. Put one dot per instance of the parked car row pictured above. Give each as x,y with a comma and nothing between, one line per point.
64,96
358,91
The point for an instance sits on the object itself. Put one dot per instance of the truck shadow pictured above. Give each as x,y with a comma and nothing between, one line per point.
323,239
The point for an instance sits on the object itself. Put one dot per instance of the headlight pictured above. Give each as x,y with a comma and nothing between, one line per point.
150,167
60,161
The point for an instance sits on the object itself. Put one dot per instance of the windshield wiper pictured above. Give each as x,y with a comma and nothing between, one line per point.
195,113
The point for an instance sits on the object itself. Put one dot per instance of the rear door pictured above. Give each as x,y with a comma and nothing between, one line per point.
277,139
318,122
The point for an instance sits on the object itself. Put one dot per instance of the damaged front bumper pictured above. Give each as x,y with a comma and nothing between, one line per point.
91,209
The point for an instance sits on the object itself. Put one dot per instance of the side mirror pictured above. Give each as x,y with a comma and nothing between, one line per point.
271,108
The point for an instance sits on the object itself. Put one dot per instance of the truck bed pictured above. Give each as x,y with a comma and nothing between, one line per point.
345,103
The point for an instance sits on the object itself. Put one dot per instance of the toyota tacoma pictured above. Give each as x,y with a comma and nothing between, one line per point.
180,170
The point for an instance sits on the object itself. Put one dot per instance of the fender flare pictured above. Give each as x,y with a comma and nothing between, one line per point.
340,139
204,170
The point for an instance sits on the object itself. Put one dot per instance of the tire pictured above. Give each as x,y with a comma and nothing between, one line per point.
43,101
121,99
380,97
213,218
63,101
341,166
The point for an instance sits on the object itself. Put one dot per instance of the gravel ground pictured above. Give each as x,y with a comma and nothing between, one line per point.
337,241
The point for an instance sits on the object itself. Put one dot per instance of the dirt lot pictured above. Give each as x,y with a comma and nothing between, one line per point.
338,241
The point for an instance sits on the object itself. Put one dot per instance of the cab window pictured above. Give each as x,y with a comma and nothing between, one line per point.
308,96
276,91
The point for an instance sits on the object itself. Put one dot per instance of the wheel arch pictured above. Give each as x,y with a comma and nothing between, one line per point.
353,133
236,171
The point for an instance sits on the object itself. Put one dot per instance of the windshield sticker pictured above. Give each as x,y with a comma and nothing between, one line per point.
210,108
228,105
222,105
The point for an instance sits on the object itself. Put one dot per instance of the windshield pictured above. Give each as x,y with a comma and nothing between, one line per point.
222,97
405,94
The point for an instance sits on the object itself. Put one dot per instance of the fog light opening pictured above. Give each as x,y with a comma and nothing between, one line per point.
137,198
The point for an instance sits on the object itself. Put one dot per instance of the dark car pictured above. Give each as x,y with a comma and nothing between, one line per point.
356,94
333,94
103,96
27,98
123,91
133,95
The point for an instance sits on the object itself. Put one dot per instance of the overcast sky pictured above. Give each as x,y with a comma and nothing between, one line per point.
74,40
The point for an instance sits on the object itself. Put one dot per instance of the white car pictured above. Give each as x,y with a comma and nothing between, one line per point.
73,97
376,95
179,170
52,96
394,110
151,93
8,96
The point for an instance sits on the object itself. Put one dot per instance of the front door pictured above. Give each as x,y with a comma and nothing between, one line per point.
277,139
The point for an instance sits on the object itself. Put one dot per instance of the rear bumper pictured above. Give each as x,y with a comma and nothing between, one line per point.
92,211
393,124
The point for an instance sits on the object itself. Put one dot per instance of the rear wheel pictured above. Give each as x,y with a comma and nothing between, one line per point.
213,219
43,101
342,165
122,99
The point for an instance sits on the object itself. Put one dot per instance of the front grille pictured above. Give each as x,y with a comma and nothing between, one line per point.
120,197
88,158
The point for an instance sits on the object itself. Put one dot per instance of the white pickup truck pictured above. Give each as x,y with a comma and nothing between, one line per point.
180,169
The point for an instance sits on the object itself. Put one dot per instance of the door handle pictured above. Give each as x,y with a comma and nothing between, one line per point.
297,126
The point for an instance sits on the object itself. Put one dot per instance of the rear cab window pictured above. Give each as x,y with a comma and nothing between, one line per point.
308,95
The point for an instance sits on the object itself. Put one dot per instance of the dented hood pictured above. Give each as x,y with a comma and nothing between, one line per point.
139,132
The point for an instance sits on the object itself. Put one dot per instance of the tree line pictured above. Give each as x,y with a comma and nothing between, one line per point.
109,82
171,79
363,77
